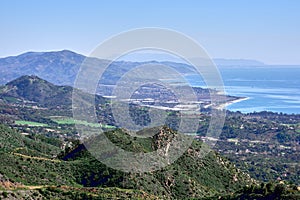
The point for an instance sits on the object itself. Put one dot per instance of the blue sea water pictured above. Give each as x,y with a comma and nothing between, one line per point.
268,88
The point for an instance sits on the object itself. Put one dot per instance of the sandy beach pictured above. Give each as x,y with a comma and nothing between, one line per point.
224,105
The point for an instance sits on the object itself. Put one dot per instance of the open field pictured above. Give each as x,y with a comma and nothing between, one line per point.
29,123
70,121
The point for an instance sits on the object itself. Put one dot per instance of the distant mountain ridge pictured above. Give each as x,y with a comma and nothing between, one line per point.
237,62
61,67
57,67
162,57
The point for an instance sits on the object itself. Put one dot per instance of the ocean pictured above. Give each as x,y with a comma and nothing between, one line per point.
268,88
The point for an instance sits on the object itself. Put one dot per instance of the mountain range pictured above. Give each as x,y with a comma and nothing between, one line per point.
220,62
61,67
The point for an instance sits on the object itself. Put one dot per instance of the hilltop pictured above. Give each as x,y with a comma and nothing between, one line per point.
36,91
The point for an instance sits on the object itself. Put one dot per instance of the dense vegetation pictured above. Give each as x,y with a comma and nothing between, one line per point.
41,155
33,164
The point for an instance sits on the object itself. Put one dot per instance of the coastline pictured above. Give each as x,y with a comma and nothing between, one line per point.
224,105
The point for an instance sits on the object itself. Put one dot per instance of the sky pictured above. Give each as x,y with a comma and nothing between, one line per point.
265,30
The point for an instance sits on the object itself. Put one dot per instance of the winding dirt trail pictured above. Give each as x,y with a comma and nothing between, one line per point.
36,158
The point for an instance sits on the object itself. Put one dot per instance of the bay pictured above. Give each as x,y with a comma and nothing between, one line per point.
268,88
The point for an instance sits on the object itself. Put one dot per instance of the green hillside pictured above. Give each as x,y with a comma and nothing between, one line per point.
32,90
36,169
30,163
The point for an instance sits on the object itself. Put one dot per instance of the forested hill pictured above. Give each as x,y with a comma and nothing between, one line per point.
34,90
28,162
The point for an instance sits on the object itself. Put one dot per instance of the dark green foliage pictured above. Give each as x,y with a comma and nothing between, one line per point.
271,190
188,176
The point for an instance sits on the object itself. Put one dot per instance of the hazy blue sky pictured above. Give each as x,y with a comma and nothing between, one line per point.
268,30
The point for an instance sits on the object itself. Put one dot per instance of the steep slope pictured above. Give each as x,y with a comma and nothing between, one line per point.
25,161
34,90
78,175
13,142
31,162
189,176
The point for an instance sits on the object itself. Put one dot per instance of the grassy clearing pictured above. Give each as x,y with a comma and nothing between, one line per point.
107,126
29,123
71,121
